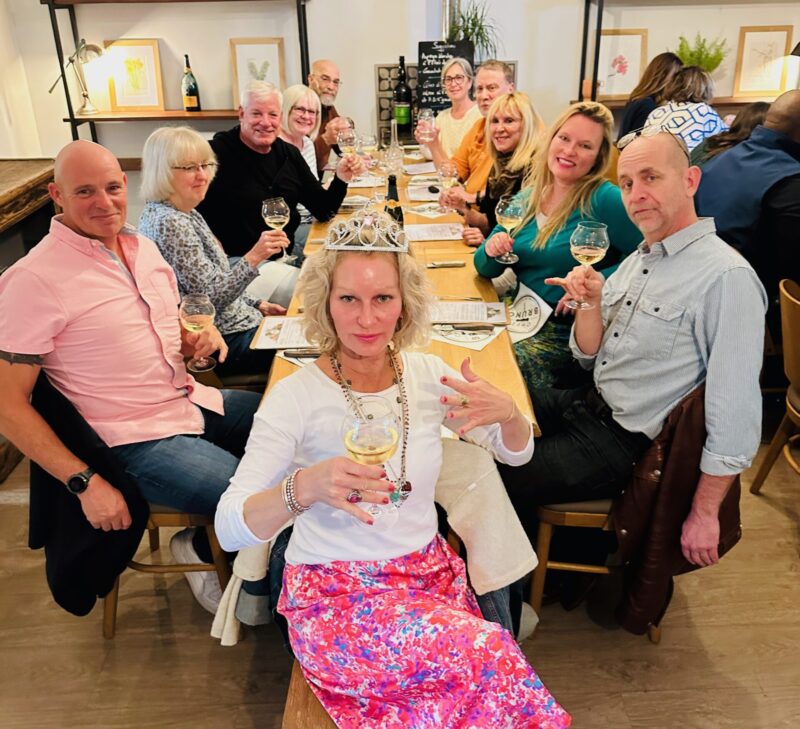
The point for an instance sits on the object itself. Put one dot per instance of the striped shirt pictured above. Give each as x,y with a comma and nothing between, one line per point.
682,311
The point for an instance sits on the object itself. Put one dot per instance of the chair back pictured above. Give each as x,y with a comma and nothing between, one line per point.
790,326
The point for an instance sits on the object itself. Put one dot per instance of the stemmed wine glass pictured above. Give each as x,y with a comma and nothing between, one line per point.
196,314
371,436
588,245
425,123
509,212
368,146
276,214
347,139
448,177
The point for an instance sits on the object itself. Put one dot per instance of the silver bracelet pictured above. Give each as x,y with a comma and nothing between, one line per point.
289,498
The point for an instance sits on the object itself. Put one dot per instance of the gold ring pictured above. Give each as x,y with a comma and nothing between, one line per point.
464,401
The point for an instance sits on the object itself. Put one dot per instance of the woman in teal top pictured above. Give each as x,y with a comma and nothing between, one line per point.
567,185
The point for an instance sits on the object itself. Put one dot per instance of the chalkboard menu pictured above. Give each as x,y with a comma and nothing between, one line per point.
433,55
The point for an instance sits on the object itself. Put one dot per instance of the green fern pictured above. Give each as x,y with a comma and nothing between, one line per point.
706,54
474,24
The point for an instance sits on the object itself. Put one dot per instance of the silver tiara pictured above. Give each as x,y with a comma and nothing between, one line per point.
367,230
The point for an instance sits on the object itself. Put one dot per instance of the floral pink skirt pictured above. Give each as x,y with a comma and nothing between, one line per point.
401,644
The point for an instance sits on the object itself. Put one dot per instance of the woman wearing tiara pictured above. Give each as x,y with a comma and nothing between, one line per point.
381,617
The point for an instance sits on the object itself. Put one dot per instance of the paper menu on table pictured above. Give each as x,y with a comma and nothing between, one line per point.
280,332
420,193
475,340
469,312
421,168
367,181
434,231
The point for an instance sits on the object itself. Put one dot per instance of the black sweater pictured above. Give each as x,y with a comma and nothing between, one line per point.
246,178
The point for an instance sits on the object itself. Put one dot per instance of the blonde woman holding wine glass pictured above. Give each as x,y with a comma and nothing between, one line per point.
365,554
566,186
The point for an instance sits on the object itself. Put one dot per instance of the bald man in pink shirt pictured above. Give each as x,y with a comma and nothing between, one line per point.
95,305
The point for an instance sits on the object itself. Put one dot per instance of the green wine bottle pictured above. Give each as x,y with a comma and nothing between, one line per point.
189,88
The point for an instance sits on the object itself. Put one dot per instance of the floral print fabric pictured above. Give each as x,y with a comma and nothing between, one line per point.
401,644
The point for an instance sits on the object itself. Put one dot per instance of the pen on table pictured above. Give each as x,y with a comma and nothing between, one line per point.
446,264
468,327
459,298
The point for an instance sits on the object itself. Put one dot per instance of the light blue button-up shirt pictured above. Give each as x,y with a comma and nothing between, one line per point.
682,311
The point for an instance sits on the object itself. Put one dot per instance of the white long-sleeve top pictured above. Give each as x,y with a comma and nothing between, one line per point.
299,424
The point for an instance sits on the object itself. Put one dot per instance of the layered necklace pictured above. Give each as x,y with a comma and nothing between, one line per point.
402,485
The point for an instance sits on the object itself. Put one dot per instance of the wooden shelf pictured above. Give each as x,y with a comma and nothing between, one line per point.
727,102
170,114
64,3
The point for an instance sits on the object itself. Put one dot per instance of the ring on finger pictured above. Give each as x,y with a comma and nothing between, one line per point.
464,401
354,497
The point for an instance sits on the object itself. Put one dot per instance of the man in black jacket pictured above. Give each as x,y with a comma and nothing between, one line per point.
254,164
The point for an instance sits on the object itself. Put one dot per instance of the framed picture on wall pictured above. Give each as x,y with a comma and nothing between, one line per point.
135,82
256,59
623,56
760,60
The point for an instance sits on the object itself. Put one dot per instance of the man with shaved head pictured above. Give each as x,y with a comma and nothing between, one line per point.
325,80
95,306
683,309
753,193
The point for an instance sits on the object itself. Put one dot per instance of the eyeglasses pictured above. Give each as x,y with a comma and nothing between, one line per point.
303,110
454,80
651,132
194,169
328,80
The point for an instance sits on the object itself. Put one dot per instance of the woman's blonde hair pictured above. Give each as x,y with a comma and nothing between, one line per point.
304,95
316,281
165,148
691,84
541,178
518,104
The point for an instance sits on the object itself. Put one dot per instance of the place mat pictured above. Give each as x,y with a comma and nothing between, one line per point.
367,181
434,231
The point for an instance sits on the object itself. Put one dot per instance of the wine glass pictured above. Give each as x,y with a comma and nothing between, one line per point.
368,146
425,124
276,214
509,212
371,436
347,139
196,314
588,245
448,177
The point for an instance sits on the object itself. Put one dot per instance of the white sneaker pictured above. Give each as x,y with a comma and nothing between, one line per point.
204,585
527,623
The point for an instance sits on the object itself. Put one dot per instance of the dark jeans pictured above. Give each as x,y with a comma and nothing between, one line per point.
242,360
583,454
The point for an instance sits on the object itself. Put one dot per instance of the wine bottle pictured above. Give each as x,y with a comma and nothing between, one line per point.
393,208
401,106
189,88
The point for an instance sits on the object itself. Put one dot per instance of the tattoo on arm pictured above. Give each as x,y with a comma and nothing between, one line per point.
28,359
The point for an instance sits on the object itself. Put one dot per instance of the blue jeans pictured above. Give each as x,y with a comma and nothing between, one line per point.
243,360
190,472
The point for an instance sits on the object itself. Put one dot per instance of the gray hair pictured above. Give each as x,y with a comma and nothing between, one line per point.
165,148
463,63
258,91
300,93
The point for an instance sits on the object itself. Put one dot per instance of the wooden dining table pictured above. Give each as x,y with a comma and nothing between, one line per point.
496,362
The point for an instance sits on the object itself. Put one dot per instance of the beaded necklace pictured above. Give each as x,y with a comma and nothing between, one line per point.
399,496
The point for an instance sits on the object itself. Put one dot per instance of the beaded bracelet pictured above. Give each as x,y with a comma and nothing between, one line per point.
289,498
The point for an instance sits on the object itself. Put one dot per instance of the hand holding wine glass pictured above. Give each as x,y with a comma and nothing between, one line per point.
426,126
509,212
448,178
276,215
197,314
588,245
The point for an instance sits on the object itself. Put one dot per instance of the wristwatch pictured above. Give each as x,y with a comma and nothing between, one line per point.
79,482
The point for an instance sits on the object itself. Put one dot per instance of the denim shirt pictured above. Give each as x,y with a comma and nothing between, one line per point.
682,311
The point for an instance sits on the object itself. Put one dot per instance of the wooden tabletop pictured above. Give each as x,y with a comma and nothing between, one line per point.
495,362
23,188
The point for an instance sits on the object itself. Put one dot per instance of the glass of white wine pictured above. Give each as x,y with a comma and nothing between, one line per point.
448,177
347,139
588,245
371,436
368,146
509,212
196,314
276,215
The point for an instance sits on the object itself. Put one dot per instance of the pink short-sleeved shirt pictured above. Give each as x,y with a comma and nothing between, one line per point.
110,338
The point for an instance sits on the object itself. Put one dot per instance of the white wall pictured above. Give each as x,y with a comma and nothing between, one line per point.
18,136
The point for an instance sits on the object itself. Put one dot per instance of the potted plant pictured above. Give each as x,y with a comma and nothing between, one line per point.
473,23
703,53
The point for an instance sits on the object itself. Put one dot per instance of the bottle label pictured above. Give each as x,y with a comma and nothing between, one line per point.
190,102
402,113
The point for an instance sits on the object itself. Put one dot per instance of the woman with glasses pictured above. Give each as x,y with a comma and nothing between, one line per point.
177,167
455,122
567,186
300,126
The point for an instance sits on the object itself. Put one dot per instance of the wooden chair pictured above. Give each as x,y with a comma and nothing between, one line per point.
789,430
164,516
303,710
592,514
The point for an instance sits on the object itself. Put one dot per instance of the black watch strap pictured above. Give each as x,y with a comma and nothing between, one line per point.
79,482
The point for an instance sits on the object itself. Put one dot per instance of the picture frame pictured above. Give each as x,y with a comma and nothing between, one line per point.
256,59
623,57
135,83
761,60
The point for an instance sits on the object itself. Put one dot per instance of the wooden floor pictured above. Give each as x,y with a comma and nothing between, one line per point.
728,658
